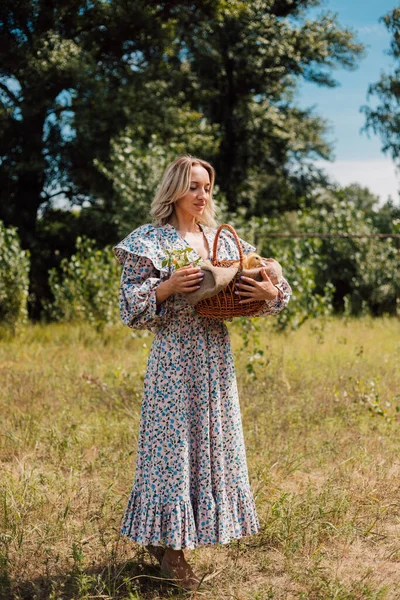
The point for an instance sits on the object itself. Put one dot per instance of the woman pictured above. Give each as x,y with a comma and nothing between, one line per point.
191,486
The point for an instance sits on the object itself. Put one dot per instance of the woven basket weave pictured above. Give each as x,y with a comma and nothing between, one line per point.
225,304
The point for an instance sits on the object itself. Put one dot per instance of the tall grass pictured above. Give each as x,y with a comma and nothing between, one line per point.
321,418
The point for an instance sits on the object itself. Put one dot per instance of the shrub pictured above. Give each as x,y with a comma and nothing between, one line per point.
355,275
86,286
14,278
302,262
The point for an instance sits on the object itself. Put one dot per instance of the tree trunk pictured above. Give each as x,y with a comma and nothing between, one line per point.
228,148
22,187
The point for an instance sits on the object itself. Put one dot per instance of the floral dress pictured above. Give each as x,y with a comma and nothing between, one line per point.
191,484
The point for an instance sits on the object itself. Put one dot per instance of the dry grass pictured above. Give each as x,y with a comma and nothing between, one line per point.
322,431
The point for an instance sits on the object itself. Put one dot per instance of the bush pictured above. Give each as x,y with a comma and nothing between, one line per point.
301,260
355,275
365,271
14,278
86,286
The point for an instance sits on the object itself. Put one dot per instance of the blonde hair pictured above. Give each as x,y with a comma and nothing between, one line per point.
174,184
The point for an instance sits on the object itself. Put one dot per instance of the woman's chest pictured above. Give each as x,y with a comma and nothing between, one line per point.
199,243
202,245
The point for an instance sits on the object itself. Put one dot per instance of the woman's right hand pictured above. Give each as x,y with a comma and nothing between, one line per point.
183,280
186,279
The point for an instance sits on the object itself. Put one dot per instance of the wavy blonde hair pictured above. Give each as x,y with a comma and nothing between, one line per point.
174,184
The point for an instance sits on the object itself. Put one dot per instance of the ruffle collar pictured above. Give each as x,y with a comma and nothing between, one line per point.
152,242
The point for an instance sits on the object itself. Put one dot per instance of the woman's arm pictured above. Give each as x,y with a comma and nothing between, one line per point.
276,296
163,292
138,294
144,297
273,307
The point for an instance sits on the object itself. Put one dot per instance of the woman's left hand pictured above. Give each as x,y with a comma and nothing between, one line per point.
256,290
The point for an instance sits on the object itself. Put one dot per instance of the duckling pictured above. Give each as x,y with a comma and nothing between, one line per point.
252,260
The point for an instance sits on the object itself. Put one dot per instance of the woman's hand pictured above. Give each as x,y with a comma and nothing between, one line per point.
183,280
256,290
186,279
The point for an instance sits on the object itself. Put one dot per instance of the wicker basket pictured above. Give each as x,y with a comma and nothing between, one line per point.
225,304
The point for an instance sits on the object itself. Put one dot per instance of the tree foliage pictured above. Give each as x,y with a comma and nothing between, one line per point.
352,274
72,75
75,74
96,98
384,118
242,69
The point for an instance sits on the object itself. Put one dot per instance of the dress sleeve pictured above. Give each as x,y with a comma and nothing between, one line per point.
139,282
273,307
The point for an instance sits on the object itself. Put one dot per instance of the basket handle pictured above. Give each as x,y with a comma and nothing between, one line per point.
235,235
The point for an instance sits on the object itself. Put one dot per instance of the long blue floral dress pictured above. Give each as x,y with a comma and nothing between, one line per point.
191,485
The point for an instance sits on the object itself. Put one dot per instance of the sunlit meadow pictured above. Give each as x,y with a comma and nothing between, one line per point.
321,414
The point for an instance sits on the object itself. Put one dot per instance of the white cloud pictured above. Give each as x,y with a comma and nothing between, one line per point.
376,28
378,175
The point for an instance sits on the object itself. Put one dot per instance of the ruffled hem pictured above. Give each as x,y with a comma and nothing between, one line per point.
190,524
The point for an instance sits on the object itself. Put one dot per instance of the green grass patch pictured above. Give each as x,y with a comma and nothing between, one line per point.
321,418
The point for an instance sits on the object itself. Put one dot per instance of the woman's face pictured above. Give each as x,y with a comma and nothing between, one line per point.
195,201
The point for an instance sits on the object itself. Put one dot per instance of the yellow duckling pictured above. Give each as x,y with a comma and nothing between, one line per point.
252,260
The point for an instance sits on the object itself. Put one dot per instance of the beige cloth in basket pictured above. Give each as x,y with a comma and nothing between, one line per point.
217,278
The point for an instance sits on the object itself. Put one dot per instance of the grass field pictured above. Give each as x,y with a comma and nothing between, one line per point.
321,415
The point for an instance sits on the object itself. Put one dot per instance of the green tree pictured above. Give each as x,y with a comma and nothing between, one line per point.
75,74
71,75
135,169
358,196
384,118
241,70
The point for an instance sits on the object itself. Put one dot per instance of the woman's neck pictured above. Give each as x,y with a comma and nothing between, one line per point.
185,224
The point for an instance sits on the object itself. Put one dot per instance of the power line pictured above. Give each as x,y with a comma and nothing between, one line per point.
333,235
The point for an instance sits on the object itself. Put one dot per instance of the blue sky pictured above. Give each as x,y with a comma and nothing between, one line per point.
358,158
